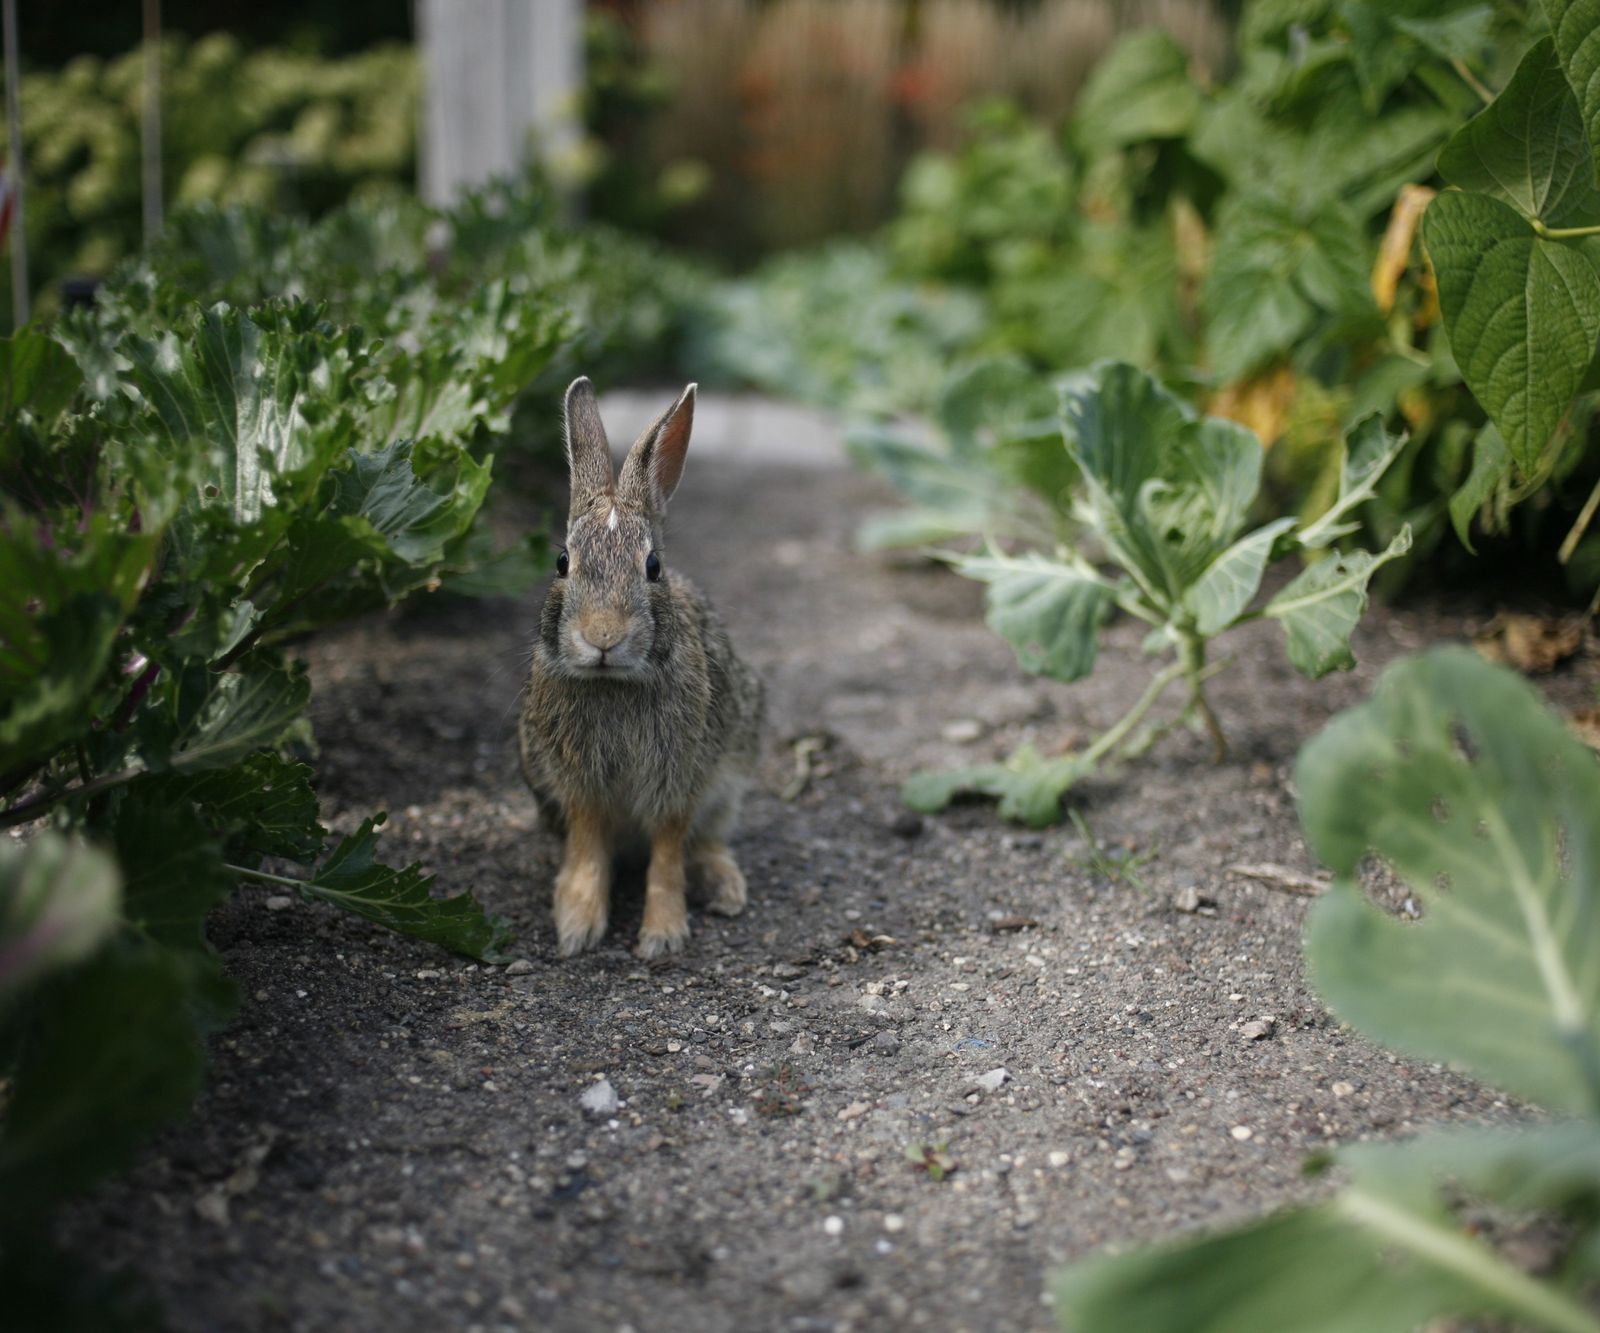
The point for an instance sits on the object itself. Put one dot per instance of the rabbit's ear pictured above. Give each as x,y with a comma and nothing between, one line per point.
588,451
655,463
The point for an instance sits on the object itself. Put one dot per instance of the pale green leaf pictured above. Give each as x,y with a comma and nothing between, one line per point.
1050,612
1483,802
1320,607
1226,588
1028,786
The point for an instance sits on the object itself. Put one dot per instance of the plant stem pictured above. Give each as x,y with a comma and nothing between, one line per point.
1563,233
1469,1261
1471,80
32,809
1585,517
1109,739
263,875
1192,656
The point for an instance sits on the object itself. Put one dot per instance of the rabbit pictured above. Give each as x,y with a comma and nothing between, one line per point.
640,724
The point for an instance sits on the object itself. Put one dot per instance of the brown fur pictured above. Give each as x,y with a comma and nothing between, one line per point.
640,722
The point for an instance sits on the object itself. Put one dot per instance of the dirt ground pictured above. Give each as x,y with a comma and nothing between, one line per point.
393,1138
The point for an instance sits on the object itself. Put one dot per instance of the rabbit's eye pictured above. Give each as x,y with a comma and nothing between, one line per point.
652,567
561,564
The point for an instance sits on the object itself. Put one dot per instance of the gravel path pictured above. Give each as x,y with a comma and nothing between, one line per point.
395,1139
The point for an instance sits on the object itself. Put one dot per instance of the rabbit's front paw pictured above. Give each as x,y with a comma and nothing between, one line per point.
722,879
658,941
582,902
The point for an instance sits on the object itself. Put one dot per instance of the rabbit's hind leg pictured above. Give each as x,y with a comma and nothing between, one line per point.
719,875
666,916
583,884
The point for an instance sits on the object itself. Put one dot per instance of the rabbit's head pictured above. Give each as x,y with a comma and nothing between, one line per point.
609,611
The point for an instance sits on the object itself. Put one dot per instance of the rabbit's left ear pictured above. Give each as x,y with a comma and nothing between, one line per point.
654,465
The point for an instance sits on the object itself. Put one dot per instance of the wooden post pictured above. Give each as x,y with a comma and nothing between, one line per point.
19,231
150,121
502,79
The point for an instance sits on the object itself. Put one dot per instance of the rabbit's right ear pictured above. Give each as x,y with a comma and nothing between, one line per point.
588,450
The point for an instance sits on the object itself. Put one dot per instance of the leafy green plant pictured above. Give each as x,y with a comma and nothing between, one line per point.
1166,496
1484,803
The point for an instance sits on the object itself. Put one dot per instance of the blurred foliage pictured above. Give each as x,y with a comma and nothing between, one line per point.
1256,242
271,129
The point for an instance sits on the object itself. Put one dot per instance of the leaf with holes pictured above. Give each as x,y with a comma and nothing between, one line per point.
1048,610
1455,773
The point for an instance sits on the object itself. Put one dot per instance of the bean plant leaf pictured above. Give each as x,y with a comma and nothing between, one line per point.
401,900
1048,610
1491,464
1528,147
1522,313
1576,27
1385,1255
1320,607
1139,90
1484,803
1029,786
1275,271
58,903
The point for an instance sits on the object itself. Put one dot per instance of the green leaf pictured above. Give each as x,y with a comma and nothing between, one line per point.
1274,272
1167,491
173,867
400,899
111,1052
1220,595
1491,465
1576,25
1029,786
268,393
37,375
1139,90
244,711
955,495
416,520
59,901
1048,611
1320,607
1366,452
1528,147
1383,1256
1456,775
1522,314
262,806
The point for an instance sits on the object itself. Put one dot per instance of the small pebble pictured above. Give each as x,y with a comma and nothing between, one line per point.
1342,1089
907,824
833,1225
520,968
963,731
279,901
600,1099
1242,1132
893,1222
992,1081
886,1043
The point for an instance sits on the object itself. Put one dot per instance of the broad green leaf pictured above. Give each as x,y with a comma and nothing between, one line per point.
37,375
1576,25
1050,612
1221,594
1274,272
270,393
1528,147
1491,465
172,865
996,396
1484,803
112,1050
1386,1255
955,494
1168,491
1139,90
262,806
58,904
244,711
415,519
1522,314
400,899
1320,607
1028,786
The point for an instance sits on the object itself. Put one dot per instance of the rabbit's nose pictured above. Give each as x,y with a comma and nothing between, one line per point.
603,634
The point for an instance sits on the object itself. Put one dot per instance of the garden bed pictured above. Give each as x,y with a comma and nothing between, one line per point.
394,1138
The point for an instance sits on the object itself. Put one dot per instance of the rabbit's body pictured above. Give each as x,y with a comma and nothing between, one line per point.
640,725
